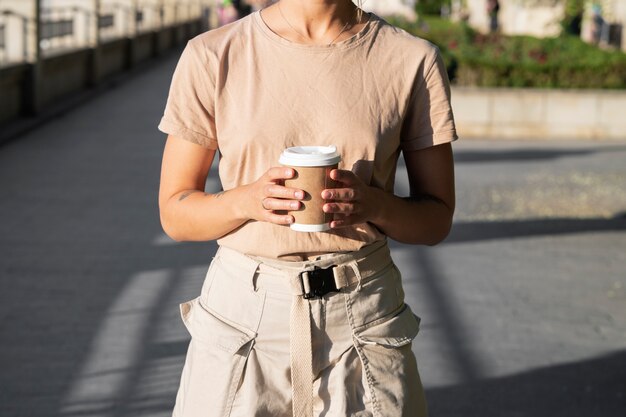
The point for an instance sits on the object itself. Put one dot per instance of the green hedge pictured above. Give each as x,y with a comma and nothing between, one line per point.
520,61
431,7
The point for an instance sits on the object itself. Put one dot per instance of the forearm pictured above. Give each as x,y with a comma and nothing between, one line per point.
193,215
415,220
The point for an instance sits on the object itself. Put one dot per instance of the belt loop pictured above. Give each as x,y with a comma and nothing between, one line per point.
355,268
341,280
306,284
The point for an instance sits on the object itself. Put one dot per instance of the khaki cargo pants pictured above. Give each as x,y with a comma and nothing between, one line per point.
253,333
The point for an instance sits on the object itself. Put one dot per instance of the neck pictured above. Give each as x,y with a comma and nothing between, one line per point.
316,18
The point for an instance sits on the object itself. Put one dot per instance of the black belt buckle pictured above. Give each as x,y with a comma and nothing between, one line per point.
321,282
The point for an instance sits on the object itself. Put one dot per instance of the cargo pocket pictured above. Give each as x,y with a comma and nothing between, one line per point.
214,365
378,296
389,365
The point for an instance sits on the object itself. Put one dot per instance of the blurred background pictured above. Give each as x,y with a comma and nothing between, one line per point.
523,307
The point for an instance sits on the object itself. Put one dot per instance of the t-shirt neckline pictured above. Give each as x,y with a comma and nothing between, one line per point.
344,44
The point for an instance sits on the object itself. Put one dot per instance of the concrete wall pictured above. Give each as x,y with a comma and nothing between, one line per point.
143,47
63,74
113,58
539,114
12,84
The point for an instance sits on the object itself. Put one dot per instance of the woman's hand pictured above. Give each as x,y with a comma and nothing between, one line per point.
353,201
269,199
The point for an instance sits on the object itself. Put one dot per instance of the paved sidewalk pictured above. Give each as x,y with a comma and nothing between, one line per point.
523,307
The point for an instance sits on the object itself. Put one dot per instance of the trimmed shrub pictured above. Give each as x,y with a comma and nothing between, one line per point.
430,7
474,59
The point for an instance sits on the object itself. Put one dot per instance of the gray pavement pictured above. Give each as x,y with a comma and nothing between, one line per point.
523,307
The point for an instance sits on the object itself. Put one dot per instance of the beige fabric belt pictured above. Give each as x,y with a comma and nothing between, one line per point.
348,269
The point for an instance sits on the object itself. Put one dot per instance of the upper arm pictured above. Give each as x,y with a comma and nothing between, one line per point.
190,109
431,172
429,120
185,166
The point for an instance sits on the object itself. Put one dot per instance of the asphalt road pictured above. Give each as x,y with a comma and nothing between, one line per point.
523,306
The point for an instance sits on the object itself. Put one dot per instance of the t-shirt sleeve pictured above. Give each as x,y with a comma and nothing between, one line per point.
429,120
190,110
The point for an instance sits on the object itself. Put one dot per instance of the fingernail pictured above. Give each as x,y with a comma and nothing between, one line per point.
327,195
288,172
289,220
299,194
294,205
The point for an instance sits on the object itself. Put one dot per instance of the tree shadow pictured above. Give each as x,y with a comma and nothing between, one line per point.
525,154
428,271
473,231
592,387
82,199
83,217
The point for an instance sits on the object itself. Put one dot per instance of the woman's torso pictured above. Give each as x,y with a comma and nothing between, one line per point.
271,94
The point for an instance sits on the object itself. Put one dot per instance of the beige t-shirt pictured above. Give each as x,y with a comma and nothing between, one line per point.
250,93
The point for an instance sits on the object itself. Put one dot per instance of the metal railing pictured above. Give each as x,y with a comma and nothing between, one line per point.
17,48
28,30
51,29
2,42
106,21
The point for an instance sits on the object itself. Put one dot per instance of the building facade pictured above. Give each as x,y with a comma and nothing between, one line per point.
542,18
517,17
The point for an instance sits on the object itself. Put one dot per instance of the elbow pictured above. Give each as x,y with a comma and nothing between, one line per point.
168,227
440,236
431,236
171,232
440,233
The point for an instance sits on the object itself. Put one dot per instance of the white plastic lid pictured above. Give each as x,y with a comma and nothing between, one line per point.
310,156
299,227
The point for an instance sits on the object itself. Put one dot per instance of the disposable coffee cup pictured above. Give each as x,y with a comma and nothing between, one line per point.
312,166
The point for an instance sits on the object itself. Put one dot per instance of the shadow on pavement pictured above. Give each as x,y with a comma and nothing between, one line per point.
491,230
525,154
589,388
79,260
80,264
465,362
